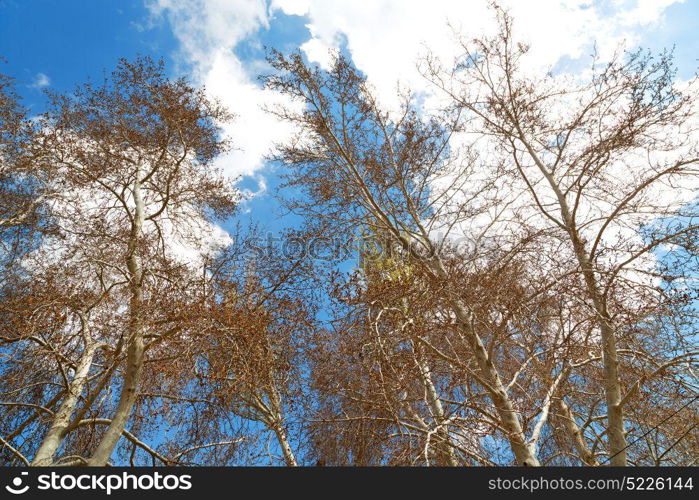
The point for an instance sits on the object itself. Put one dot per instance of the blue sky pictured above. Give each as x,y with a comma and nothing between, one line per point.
55,44
70,41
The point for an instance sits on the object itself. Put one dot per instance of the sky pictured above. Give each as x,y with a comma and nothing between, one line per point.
55,44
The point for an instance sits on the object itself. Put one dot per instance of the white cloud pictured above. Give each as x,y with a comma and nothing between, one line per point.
385,37
292,7
254,130
317,51
205,26
647,12
208,32
40,81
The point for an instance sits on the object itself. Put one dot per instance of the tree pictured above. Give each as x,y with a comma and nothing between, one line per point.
576,185
607,167
138,192
522,292
250,354
24,179
359,166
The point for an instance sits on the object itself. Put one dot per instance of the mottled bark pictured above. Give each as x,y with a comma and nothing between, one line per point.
135,350
445,450
575,434
61,419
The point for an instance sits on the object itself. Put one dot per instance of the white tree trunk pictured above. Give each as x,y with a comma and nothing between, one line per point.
61,420
576,434
612,386
277,425
445,449
283,440
505,409
135,350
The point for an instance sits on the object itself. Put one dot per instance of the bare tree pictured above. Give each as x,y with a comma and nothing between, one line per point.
133,161
25,181
523,289
363,166
261,317
608,168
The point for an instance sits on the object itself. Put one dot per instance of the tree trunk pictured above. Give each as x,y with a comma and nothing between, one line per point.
612,386
59,426
575,434
446,455
135,351
508,415
283,440
277,425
